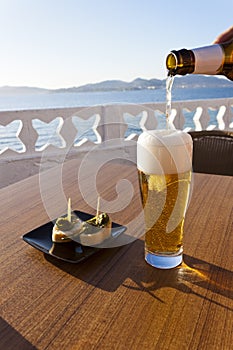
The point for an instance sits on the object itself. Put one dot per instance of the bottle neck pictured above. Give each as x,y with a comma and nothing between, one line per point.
180,62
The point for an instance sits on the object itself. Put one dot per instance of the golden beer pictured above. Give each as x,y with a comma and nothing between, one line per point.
164,160
164,199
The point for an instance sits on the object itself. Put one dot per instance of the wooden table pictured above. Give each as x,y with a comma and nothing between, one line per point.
115,300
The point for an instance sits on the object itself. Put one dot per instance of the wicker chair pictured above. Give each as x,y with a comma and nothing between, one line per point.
212,152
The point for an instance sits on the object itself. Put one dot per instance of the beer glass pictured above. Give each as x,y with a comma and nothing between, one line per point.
164,162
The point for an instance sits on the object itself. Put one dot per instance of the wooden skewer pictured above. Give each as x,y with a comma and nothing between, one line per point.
97,210
69,210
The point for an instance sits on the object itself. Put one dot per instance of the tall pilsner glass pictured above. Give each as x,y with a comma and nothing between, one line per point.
164,162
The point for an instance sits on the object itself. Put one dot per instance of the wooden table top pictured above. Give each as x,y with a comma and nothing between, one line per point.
114,299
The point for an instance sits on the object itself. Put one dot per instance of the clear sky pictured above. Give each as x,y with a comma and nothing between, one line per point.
64,43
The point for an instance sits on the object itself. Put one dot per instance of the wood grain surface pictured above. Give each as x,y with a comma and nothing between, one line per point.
115,300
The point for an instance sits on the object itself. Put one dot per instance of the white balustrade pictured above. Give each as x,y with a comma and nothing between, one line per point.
30,136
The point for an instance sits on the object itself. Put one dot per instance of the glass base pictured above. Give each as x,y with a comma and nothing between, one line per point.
163,261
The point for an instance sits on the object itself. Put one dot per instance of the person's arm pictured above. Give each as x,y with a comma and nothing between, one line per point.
225,36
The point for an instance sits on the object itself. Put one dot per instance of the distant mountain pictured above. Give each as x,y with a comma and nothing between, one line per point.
118,85
24,90
197,81
189,81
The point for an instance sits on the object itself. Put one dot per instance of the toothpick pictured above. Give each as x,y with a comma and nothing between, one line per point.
97,210
69,210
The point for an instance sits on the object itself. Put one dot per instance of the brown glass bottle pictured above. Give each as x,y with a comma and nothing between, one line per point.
210,60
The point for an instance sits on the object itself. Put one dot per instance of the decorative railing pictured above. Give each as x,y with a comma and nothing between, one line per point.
28,134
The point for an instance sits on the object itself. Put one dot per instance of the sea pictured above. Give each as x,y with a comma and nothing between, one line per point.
8,134
70,99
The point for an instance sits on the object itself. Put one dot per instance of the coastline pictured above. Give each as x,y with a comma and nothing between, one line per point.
16,102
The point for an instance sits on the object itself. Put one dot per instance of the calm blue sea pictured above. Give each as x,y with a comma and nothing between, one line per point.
60,100
8,134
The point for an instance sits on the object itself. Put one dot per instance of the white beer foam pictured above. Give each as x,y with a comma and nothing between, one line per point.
164,152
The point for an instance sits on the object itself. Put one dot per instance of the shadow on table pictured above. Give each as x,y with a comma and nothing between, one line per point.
110,268
11,339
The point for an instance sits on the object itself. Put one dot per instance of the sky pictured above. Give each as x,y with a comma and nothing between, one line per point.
64,43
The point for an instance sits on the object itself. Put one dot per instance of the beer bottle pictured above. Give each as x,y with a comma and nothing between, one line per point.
210,60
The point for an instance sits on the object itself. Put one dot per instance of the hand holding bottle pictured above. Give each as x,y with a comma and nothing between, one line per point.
225,36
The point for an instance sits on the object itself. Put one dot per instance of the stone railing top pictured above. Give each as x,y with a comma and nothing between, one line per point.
27,133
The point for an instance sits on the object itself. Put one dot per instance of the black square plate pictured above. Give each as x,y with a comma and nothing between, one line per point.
41,239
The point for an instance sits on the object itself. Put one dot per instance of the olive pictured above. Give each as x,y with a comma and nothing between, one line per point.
102,220
64,224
